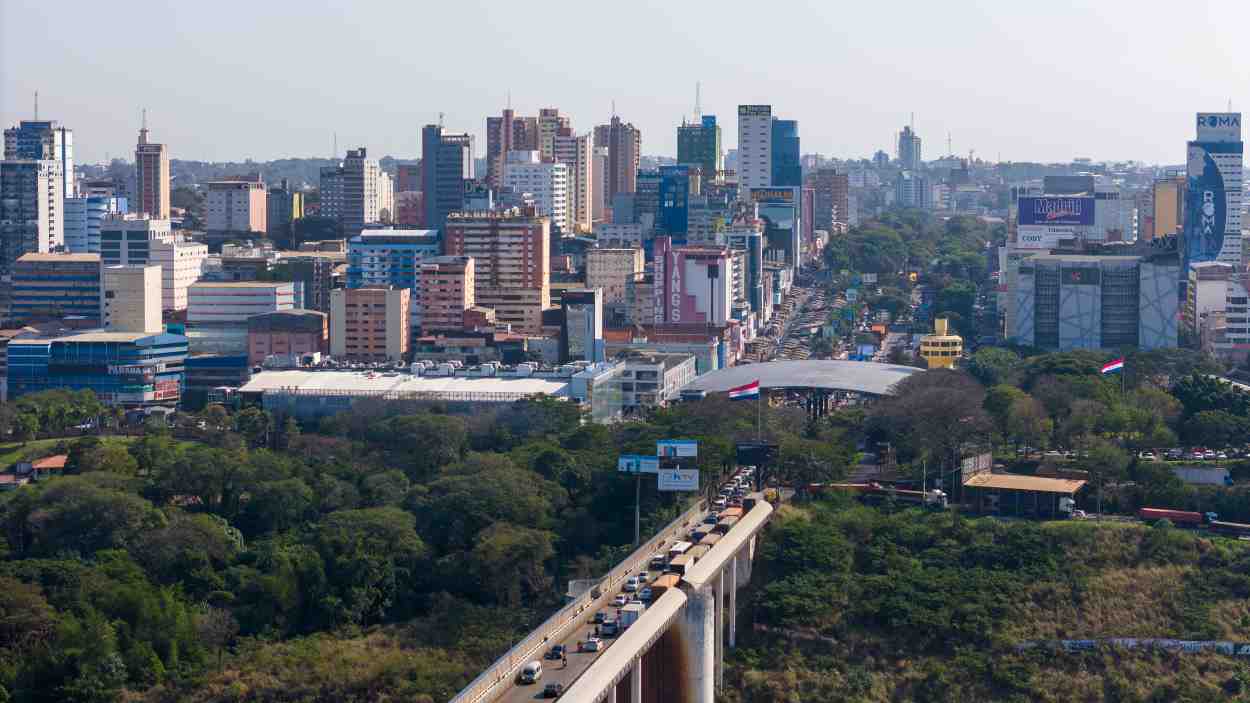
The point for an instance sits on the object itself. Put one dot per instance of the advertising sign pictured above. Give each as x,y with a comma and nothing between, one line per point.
166,390
679,480
677,448
755,110
852,294
772,195
1071,211
1042,236
869,278
637,464
1219,126
1206,207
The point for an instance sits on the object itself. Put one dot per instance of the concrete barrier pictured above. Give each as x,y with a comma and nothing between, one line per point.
573,614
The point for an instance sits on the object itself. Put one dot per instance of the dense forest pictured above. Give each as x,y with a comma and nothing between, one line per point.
860,604
386,554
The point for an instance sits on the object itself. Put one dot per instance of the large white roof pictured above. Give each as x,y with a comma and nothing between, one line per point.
376,383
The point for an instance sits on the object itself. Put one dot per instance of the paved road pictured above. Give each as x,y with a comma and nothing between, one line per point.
578,662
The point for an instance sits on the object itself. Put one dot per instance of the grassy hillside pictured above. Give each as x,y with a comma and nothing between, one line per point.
862,604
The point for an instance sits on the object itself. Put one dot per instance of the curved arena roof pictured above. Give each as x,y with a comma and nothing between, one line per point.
835,375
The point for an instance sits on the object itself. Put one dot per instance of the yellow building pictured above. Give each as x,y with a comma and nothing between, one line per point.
1169,212
942,348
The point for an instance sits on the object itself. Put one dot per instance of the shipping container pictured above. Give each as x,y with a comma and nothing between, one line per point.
1178,517
730,512
678,549
698,551
679,564
662,584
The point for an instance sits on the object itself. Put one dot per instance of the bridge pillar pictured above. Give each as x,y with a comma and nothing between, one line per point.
611,695
719,585
635,682
733,600
699,633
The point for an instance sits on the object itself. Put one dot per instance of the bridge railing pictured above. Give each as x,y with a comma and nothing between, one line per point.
573,614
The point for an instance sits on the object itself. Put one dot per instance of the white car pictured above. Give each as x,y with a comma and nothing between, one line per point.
620,600
631,585
592,644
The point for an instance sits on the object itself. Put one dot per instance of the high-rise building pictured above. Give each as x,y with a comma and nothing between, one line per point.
151,193
1065,302
598,186
624,144
550,124
678,184
315,272
909,149
577,153
446,292
237,205
1216,309
912,190
507,133
39,140
512,267
56,286
446,163
1168,198
1212,230
132,299
32,216
699,144
350,191
755,153
785,166
693,284
547,182
581,333
127,240
392,258
83,217
182,263
370,324
284,205
611,270
833,191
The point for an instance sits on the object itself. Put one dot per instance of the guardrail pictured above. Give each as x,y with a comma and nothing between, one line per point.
571,615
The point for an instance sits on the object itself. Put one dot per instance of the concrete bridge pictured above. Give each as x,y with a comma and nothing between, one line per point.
673,653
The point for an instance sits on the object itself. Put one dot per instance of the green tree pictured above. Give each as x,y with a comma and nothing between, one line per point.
371,558
993,365
509,562
255,425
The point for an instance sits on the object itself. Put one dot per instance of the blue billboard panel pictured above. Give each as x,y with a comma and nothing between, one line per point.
1056,210
677,448
1206,207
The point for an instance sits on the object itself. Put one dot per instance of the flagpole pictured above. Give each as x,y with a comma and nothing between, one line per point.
759,415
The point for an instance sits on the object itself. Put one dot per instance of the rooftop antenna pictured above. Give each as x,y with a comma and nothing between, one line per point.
913,122
36,106
614,107
335,146
143,126
440,120
698,102
509,99
949,150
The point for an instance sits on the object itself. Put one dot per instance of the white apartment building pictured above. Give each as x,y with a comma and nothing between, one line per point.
83,218
132,299
524,172
578,154
598,180
182,263
755,148
127,240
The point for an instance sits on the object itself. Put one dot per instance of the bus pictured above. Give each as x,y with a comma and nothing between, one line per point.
677,550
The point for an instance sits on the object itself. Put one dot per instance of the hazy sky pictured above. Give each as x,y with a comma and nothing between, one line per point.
228,80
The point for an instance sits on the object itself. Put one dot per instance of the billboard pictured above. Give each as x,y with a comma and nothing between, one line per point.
637,464
869,278
1206,206
772,195
755,110
1071,211
1219,126
677,448
1042,236
679,480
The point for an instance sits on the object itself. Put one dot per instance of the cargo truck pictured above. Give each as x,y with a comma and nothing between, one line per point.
630,614
1182,518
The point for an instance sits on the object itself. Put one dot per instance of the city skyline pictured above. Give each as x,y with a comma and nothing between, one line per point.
851,76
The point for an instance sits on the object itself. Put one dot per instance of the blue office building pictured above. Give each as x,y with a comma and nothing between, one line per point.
787,170
83,217
674,211
1213,176
392,257
124,369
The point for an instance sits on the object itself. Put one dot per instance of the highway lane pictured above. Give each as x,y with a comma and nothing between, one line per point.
578,662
